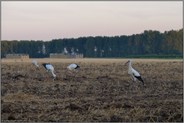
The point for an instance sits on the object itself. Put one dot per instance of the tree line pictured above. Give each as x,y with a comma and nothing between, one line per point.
148,43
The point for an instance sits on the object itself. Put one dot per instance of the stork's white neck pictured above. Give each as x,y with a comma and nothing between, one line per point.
54,75
129,65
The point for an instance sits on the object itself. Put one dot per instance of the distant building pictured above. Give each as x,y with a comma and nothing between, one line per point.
64,55
17,56
58,55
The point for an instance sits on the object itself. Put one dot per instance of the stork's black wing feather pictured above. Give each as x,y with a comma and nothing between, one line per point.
140,79
77,67
44,64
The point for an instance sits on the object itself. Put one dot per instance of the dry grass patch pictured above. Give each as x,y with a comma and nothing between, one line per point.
101,91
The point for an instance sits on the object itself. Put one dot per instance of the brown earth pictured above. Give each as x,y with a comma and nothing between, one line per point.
101,91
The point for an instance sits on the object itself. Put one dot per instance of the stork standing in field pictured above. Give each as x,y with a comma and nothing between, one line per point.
49,68
134,74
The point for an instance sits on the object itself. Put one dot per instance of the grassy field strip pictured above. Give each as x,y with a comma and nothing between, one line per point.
87,60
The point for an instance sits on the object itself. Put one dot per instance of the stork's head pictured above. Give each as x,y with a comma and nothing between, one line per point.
129,61
54,77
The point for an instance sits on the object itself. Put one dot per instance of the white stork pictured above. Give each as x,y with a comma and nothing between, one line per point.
34,62
49,68
134,74
73,67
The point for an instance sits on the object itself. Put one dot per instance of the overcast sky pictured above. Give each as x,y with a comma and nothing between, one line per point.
61,19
